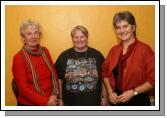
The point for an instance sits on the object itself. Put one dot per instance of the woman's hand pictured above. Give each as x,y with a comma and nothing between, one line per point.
53,101
113,98
125,96
61,103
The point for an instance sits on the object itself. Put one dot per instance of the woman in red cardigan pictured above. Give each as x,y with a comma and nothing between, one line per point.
128,70
33,70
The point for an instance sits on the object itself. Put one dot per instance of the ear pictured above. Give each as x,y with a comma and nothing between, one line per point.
22,37
134,27
23,40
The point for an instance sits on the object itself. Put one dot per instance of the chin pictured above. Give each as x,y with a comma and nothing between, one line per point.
124,38
34,45
80,47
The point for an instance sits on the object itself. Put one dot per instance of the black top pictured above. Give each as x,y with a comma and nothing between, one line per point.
81,74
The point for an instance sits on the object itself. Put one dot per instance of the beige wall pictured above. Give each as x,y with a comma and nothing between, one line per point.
57,22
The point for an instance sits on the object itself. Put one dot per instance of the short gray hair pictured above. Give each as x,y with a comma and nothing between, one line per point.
126,16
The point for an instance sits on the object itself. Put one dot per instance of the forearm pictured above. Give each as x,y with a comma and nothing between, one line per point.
108,86
144,87
104,96
61,103
104,91
60,87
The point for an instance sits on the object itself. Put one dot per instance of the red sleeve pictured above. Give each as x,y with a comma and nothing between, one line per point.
150,61
52,64
20,76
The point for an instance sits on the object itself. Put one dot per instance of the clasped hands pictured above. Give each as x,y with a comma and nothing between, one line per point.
54,101
123,98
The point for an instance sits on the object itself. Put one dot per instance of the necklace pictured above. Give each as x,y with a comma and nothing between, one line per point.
85,54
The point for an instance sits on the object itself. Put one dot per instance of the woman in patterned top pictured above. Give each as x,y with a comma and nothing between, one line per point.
80,70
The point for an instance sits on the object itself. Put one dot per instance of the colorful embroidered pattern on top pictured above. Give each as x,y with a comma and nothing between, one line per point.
81,75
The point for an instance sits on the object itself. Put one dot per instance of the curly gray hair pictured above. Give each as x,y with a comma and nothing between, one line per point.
27,23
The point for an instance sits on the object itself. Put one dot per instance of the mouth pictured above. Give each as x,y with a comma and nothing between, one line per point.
79,43
123,35
34,40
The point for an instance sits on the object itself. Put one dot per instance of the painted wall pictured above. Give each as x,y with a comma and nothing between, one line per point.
57,22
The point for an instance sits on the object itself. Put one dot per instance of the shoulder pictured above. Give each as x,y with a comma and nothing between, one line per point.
90,49
95,52
66,52
18,57
115,48
143,46
45,49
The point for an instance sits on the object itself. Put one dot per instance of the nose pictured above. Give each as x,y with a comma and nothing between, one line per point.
122,29
80,38
33,35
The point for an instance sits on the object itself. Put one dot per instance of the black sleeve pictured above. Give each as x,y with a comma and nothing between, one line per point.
59,67
100,61
101,57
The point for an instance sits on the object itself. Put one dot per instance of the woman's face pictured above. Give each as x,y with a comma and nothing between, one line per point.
125,31
31,36
80,40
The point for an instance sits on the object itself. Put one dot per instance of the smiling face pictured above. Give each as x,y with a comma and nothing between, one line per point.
31,36
80,40
125,31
